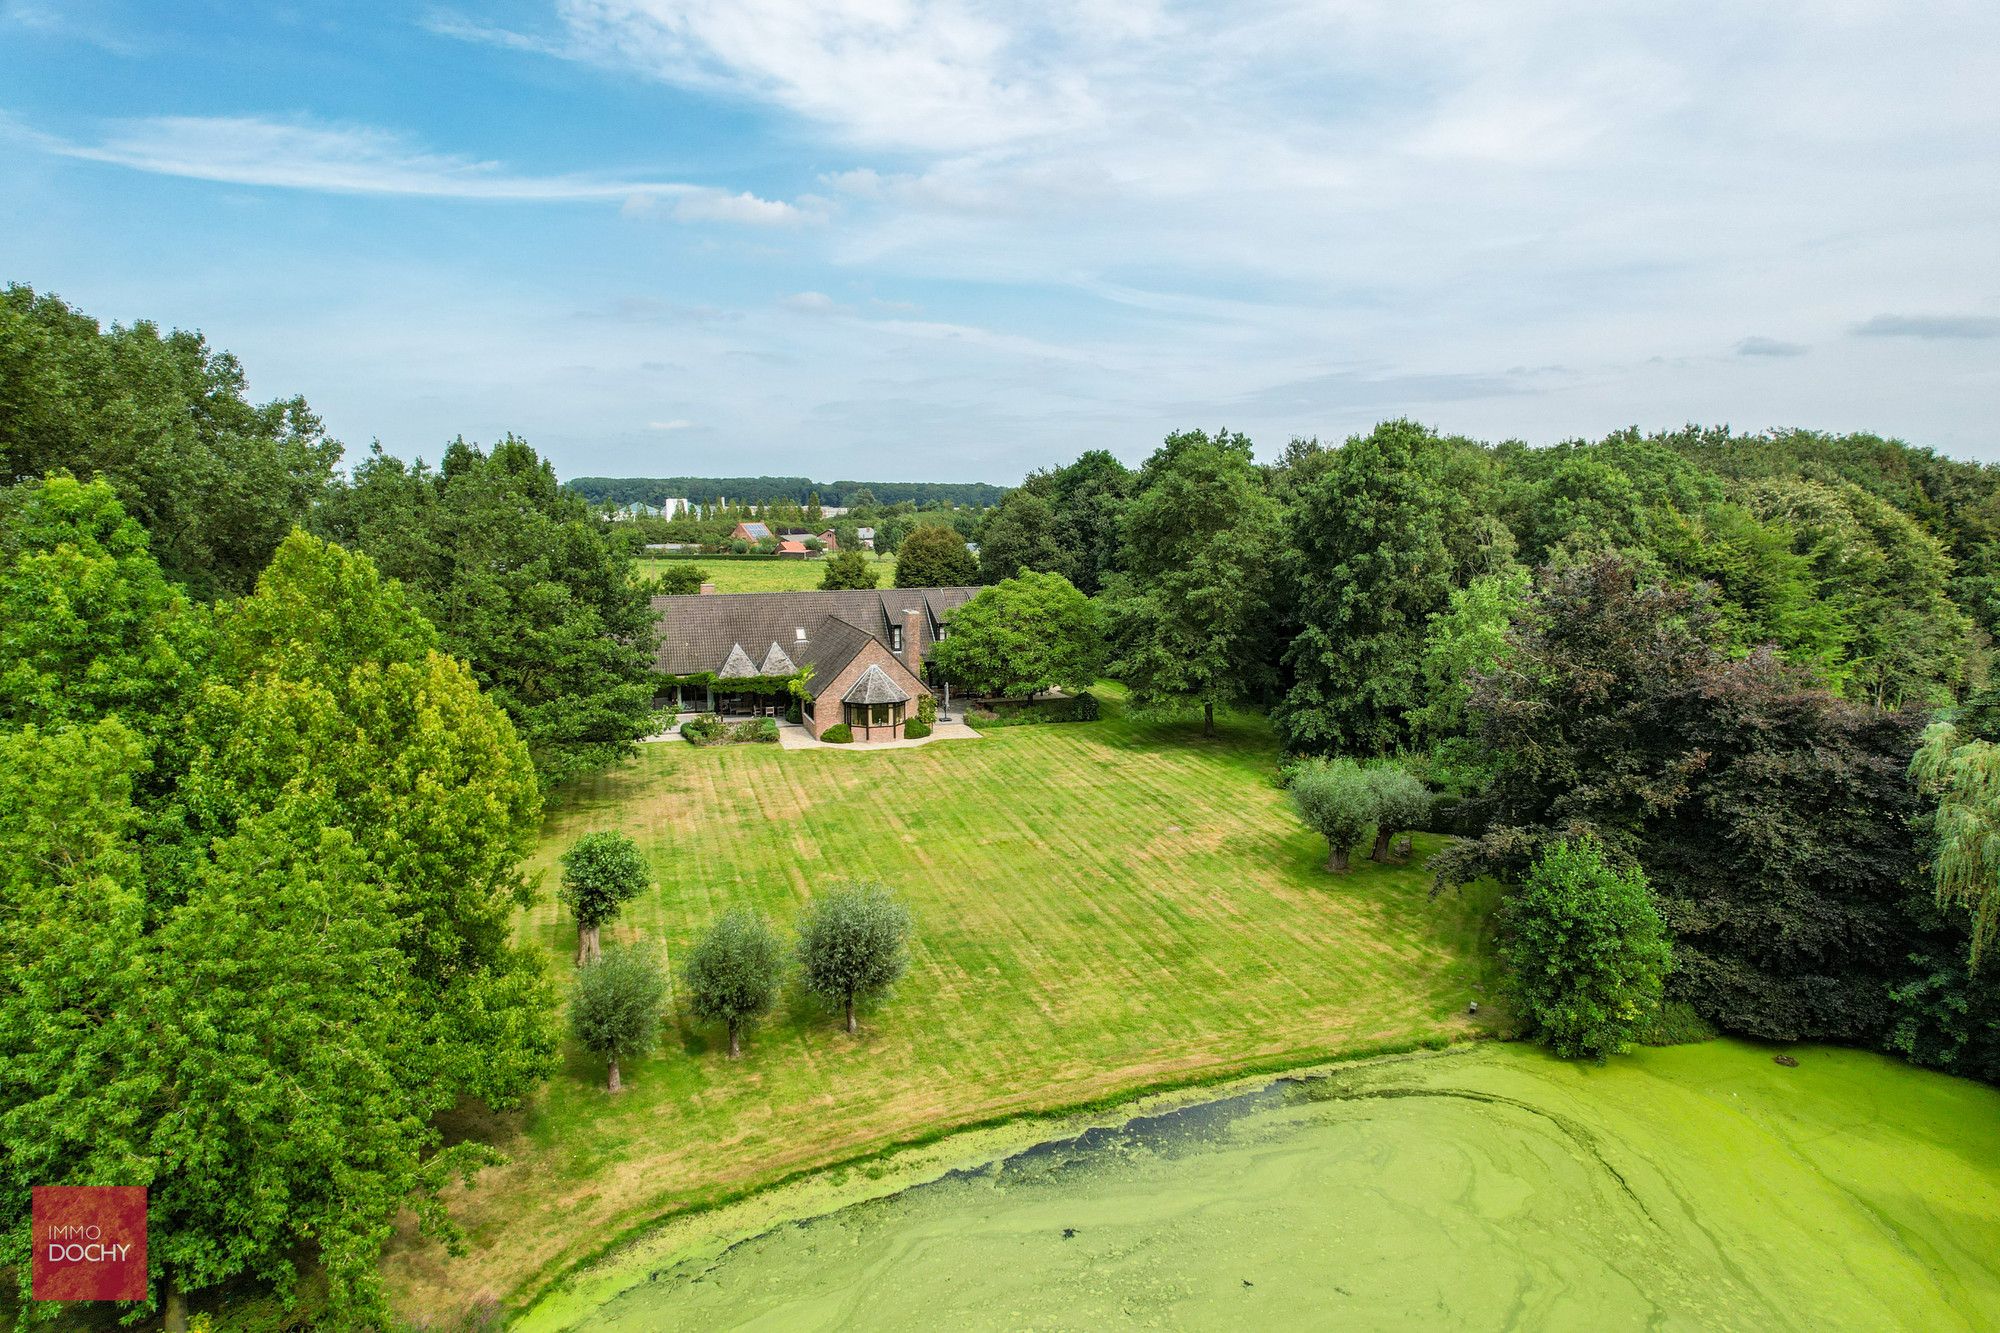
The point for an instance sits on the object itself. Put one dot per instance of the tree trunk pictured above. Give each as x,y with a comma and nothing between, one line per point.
1381,852
176,1316
851,1029
614,1083
1207,718
735,1050
1336,859
586,945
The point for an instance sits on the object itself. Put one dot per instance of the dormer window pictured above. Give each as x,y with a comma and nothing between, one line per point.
896,638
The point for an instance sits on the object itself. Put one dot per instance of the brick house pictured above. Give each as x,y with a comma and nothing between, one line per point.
867,648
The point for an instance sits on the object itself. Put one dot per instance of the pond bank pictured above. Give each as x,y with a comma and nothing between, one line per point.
1483,1187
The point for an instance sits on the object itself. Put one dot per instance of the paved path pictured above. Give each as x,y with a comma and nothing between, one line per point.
794,736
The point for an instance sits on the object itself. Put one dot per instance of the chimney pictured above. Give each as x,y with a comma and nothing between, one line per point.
913,642
707,589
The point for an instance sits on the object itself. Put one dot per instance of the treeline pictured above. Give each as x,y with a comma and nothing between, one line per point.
272,750
785,490
1710,659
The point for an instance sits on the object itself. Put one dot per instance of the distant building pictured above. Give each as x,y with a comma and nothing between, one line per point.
752,532
869,651
866,537
672,507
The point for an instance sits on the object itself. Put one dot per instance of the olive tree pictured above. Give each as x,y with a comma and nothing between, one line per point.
1402,803
853,943
732,974
601,873
1337,801
615,1012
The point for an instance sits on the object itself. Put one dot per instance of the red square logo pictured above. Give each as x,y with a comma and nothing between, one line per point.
90,1242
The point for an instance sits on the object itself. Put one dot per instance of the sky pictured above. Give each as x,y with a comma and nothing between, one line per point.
956,241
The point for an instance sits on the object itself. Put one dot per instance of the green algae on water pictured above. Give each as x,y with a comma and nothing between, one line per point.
1493,1187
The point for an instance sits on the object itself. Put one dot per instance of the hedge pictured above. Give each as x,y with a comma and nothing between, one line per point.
916,729
839,734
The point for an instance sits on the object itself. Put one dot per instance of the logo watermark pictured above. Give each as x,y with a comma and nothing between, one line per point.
90,1243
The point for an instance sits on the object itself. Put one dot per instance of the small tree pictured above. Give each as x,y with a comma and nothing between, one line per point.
853,942
601,873
1337,801
1586,950
1402,802
848,568
615,1012
732,974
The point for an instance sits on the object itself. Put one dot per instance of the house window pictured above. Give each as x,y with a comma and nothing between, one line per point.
800,632
896,638
881,718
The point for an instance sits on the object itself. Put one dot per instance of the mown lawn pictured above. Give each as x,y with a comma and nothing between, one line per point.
1100,908
767,575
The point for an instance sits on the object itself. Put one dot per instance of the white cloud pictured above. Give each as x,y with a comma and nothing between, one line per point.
678,423
351,159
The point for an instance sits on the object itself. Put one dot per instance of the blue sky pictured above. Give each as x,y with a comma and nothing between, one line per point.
956,241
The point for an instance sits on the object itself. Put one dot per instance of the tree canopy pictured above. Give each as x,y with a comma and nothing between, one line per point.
1023,635
934,556
260,898
522,584
166,420
1192,610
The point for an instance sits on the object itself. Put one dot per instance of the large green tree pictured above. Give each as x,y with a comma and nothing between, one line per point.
1772,818
259,941
1192,611
217,480
1023,635
523,585
1022,534
1371,564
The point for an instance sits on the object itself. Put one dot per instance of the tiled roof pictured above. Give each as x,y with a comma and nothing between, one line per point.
873,686
698,632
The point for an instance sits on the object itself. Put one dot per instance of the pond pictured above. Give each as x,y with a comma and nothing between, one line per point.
1488,1187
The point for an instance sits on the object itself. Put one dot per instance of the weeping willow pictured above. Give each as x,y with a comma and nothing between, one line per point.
1964,776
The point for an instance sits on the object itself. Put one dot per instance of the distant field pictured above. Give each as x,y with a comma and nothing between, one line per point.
1101,908
766,575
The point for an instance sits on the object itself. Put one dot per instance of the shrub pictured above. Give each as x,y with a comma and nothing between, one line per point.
839,733
707,729
983,717
916,729
1337,801
794,713
1085,708
1586,950
927,710
760,730
740,546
